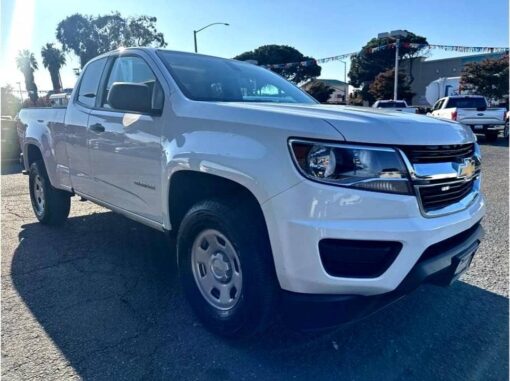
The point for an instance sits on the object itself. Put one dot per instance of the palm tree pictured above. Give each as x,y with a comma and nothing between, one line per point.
53,60
27,64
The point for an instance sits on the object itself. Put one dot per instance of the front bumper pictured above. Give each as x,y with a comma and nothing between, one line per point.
300,217
307,311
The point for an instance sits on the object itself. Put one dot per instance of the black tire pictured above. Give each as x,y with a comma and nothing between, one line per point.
57,203
245,229
491,136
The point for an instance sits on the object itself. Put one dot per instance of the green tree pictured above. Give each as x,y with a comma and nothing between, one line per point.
10,104
282,54
27,64
383,84
320,91
488,78
366,65
53,60
88,36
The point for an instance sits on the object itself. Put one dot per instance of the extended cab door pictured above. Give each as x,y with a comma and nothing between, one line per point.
76,122
125,145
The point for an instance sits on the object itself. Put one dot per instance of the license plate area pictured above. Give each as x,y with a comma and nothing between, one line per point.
461,264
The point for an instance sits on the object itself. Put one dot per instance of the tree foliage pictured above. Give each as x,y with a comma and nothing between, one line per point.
320,91
281,54
10,103
383,85
366,65
53,60
88,36
27,64
488,78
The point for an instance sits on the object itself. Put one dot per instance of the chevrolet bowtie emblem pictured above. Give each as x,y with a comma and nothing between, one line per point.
467,168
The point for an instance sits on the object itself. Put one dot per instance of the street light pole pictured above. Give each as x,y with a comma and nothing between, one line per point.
201,29
395,85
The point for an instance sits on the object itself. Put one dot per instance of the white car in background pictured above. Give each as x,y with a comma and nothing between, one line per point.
392,105
472,111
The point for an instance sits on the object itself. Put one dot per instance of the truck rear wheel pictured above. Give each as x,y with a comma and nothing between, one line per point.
51,206
491,136
226,268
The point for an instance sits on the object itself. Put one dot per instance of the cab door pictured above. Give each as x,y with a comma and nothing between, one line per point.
76,128
125,145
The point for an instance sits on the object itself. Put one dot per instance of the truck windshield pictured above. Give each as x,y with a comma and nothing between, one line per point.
468,102
204,78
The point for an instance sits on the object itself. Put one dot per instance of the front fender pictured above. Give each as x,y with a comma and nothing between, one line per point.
262,167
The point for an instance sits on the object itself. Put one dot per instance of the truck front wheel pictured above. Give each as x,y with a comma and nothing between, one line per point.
51,206
226,268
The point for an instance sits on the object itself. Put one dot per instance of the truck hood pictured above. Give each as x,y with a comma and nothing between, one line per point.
368,125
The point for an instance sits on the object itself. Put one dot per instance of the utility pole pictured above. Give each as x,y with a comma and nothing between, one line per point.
346,87
20,92
395,85
396,35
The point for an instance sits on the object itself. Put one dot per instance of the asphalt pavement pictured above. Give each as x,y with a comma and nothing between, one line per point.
99,299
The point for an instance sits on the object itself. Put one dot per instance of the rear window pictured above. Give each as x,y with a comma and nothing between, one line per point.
391,105
471,102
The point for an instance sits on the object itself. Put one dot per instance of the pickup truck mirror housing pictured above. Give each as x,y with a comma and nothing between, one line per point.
128,96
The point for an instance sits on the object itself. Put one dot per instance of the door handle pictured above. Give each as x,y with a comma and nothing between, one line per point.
97,127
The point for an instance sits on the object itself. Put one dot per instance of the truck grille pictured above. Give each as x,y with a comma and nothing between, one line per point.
437,196
438,154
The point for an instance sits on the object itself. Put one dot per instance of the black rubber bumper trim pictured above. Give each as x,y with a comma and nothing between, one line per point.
316,311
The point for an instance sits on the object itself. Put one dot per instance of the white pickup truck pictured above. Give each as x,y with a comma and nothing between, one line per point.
279,204
472,111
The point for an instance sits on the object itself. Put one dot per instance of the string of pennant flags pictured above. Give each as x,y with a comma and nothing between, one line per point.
453,48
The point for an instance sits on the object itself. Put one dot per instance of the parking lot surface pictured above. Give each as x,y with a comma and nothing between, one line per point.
99,299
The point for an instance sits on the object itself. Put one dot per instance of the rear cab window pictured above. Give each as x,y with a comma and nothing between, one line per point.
89,83
392,104
467,102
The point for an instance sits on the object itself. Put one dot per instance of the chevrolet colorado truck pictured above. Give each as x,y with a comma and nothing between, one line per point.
280,206
472,111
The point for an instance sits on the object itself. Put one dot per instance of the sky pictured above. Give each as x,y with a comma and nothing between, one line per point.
318,28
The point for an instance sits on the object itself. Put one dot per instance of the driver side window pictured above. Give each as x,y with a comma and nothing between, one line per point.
134,70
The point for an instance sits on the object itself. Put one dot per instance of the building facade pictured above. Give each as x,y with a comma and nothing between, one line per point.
340,89
422,71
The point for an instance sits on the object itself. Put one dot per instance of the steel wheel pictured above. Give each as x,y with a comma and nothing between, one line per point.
39,196
216,269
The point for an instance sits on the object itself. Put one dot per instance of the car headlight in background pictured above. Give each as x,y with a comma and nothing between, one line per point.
379,169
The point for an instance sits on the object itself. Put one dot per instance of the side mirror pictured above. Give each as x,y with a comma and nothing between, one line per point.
127,96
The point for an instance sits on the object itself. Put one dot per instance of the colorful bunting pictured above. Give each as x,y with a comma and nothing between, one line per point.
455,48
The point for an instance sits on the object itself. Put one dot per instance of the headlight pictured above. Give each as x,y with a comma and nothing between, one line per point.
377,169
